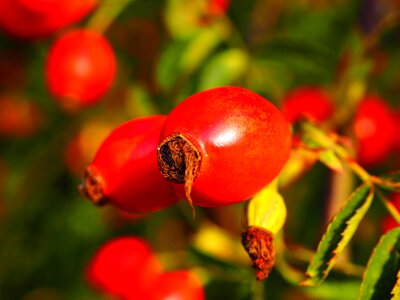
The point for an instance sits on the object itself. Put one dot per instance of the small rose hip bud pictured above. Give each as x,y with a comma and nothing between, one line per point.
266,214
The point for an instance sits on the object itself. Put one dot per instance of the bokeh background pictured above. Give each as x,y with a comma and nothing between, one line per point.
166,51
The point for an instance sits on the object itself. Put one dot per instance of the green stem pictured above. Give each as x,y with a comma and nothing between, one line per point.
390,207
106,14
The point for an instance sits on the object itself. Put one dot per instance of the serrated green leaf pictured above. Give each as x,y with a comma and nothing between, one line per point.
396,290
329,159
383,266
338,234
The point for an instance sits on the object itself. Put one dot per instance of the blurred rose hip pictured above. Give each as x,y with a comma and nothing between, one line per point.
39,18
374,130
80,68
177,285
124,266
311,102
124,172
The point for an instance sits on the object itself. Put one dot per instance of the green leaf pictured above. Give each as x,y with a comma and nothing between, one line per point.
383,267
223,69
335,290
396,290
338,234
329,159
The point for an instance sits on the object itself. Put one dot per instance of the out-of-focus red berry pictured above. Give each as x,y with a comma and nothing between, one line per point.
39,18
374,130
217,7
82,147
80,68
310,102
19,117
177,285
123,266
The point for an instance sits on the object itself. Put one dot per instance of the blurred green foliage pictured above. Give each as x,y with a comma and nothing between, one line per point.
166,51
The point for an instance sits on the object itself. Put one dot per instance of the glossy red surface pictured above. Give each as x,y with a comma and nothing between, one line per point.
127,163
122,266
374,130
80,68
388,222
244,142
39,18
311,102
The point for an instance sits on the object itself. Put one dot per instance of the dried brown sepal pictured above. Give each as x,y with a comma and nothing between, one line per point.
258,242
179,161
92,187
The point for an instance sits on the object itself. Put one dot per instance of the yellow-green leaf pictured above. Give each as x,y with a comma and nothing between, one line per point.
338,234
379,280
329,159
396,289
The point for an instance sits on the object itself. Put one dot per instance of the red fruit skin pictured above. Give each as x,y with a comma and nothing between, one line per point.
243,139
310,102
123,265
80,68
178,285
127,164
40,18
374,130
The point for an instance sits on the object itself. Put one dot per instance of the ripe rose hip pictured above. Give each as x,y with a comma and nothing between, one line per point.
223,145
122,266
39,18
80,68
374,130
310,102
177,285
396,141
124,172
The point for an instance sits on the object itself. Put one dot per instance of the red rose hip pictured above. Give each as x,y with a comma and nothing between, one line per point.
374,130
122,266
223,145
124,172
39,18
80,68
309,101
177,285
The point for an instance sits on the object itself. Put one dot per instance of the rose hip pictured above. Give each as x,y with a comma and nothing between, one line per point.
122,266
124,172
310,102
39,18
374,130
80,68
223,145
